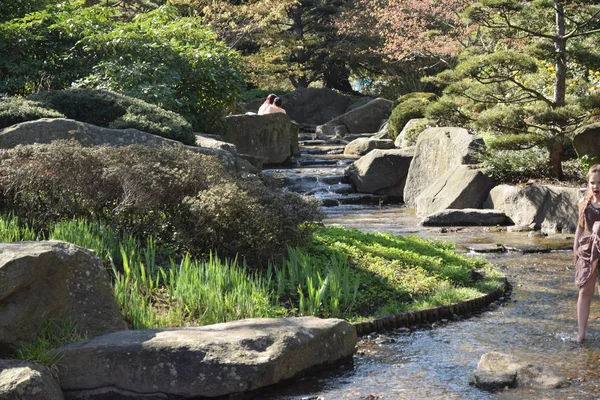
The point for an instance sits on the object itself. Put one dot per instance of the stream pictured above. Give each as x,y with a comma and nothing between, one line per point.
537,323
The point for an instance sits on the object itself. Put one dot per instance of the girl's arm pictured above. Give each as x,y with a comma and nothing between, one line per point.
578,233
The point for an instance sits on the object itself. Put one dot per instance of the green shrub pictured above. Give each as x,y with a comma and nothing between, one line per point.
411,135
158,56
14,110
181,199
515,166
113,110
409,106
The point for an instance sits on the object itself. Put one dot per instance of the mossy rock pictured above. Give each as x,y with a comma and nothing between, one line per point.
408,106
113,110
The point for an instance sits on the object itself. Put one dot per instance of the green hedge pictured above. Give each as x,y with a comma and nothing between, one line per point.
409,106
14,110
113,110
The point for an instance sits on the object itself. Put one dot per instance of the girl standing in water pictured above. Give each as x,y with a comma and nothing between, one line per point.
586,248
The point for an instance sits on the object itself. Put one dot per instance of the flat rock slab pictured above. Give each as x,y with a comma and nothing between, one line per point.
497,371
466,217
210,361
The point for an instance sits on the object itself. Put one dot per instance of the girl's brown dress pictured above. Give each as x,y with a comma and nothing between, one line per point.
588,249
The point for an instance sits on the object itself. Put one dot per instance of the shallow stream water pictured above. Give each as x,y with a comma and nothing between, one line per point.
537,324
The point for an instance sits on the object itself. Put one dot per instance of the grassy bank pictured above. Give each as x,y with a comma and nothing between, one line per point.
341,273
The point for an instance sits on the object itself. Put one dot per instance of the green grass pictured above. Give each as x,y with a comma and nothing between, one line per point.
342,273
52,334
401,273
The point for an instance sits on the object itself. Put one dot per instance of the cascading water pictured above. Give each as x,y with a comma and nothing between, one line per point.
536,324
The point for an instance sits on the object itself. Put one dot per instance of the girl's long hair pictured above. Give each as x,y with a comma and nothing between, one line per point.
588,193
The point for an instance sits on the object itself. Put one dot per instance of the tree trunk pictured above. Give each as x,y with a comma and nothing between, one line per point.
337,76
300,54
555,162
560,57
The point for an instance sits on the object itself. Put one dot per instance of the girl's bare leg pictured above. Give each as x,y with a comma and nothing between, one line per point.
586,292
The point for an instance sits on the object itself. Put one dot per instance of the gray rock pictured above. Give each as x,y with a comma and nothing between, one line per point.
358,103
48,130
214,360
552,209
365,119
210,143
383,132
411,124
438,150
459,187
466,217
381,172
496,371
587,140
274,137
20,380
362,146
314,105
53,280
326,132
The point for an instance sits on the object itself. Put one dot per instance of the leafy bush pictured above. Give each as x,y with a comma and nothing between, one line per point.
14,110
160,57
182,199
409,106
113,110
515,166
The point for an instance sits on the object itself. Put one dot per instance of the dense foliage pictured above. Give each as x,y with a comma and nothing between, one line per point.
291,43
186,201
160,57
113,110
535,63
409,106
17,109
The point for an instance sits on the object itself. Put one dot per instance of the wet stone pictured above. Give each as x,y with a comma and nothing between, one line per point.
487,248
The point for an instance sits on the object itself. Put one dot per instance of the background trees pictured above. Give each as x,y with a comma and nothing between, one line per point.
527,79
160,57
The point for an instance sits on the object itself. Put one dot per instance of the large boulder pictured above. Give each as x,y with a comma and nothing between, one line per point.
47,130
210,361
362,146
381,172
274,137
587,140
314,106
20,380
460,187
437,151
365,119
466,217
53,280
552,209
497,371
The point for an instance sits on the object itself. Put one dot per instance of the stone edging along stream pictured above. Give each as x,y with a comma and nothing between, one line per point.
408,319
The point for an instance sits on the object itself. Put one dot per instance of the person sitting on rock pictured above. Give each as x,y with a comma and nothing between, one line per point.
276,107
268,102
